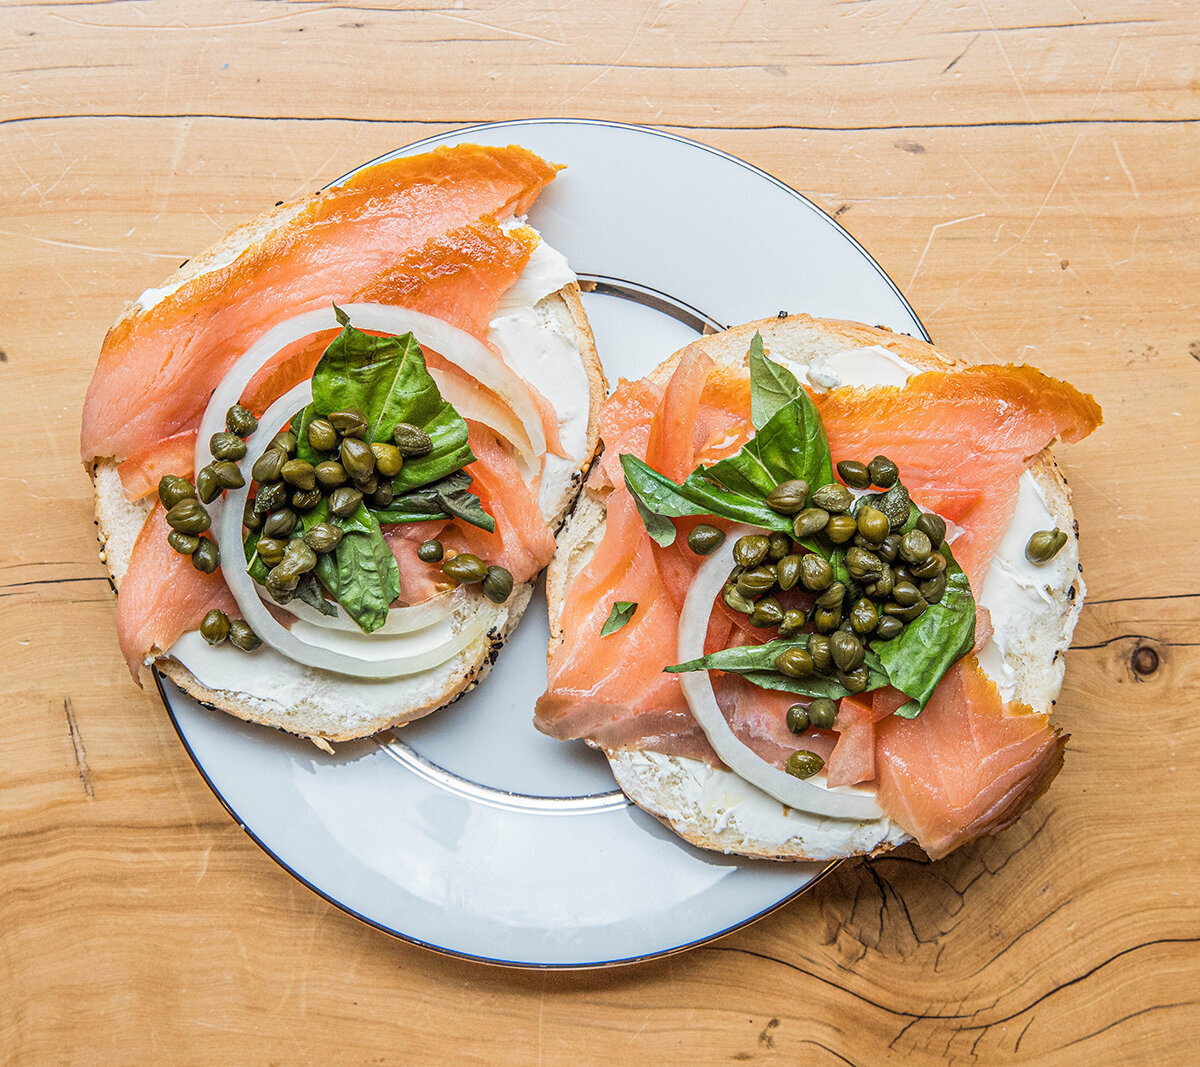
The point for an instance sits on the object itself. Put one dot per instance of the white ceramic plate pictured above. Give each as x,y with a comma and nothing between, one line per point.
476,835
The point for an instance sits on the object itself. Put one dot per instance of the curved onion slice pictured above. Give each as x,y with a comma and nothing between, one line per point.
841,802
467,353
407,659
404,620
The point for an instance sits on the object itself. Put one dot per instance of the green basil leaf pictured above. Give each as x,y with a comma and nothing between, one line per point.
771,384
386,379
931,644
256,568
448,498
309,590
622,612
363,574
756,663
661,498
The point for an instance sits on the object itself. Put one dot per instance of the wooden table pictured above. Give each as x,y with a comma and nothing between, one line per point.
1027,172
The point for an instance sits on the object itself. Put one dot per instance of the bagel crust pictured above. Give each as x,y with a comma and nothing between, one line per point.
714,809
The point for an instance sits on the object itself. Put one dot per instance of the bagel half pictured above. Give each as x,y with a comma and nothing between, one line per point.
715,809
267,687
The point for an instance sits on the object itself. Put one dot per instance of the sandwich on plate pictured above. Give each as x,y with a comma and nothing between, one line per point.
815,597
330,454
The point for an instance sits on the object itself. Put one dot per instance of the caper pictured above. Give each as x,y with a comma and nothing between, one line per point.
901,573
882,587
497,585
788,497
815,573
367,486
299,473
285,441
430,551
323,537
279,523
228,474
833,498
357,458
383,495
915,547
840,529
888,627
184,544
889,548
929,568
756,581
792,623
271,497
207,556
344,501
207,488
818,648
854,474
226,446
306,499
330,474
826,619
832,596
188,516
788,569
797,718
736,601
883,472
872,523
240,421
299,556
933,527
281,580
465,568
896,504
215,626
767,612
705,539
905,594
172,489
864,616
854,681
411,440
822,713
1044,545
241,636
751,550
863,564
803,764
795,662
270,550
267,467
809,522
781,545
388,460
322,436
906,613
847,651
250,518
349,422
933,589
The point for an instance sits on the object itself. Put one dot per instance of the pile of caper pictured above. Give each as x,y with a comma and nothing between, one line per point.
217,626
893,577
466,568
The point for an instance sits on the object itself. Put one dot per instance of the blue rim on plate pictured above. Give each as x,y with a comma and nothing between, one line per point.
697,320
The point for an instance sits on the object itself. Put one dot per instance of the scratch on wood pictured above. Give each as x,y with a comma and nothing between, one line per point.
81,763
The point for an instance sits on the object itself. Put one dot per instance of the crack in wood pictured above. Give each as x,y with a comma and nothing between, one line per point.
81,762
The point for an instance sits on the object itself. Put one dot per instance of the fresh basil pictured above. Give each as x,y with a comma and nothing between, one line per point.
256,568
932,643
771,384
756,663
309,590
361,573
387,380
622,612
449,498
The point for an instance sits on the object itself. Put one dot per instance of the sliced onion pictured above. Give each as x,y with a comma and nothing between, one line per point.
404,620
840,802
409,655
523,429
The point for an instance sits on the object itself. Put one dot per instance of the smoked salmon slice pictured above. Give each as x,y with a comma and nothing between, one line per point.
962,440
157,369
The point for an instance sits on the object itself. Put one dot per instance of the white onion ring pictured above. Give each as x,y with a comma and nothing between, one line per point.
839,802
468,353
245,592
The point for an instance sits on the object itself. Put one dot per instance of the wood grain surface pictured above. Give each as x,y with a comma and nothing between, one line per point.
1026,172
